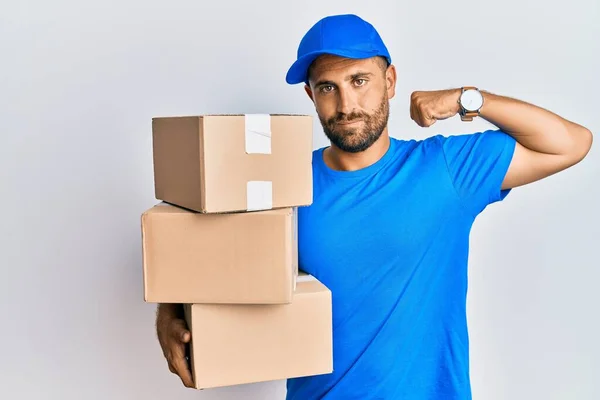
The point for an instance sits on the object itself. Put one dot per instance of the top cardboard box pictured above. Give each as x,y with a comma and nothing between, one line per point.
233,163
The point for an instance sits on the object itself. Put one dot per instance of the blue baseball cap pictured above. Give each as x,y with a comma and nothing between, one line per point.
344,35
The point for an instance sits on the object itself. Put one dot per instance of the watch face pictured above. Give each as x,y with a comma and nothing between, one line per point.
471,100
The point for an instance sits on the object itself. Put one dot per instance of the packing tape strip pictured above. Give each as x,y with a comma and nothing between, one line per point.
258,133
305,278
259,195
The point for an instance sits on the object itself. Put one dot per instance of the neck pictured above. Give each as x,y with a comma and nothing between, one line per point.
340,160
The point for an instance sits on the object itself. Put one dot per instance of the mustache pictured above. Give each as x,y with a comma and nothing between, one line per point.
340,117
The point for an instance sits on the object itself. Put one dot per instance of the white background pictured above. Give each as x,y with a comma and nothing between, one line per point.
80,82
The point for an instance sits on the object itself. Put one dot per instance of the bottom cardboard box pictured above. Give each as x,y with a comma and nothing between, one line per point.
235,344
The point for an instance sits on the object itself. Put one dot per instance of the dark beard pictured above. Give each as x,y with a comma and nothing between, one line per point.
355,140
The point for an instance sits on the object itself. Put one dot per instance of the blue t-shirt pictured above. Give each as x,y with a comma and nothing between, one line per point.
391,241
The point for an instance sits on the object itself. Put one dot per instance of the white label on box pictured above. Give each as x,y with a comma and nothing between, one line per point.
259,195
295,223
258,133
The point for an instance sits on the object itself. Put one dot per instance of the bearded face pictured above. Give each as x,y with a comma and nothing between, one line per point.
358,130
352,99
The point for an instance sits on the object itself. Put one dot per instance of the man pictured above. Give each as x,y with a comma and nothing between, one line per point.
388,231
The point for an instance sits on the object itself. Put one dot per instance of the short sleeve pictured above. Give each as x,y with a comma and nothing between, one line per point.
477,164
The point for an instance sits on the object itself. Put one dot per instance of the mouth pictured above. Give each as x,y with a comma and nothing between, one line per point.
349,122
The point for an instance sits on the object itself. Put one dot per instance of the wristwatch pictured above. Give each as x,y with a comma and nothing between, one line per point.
470,101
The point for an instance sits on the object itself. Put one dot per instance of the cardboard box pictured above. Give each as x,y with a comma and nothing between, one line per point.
190,257
239,344
233,163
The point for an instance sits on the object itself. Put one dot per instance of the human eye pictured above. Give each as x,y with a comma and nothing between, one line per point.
326,88
360,82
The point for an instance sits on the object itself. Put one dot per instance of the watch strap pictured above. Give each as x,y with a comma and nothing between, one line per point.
469,115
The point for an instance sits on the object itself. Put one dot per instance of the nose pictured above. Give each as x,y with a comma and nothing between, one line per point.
345,101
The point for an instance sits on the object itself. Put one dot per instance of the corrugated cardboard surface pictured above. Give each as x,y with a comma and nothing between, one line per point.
190,257
202,163
239,344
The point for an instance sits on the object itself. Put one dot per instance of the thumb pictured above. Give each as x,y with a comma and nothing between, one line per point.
185,336
180,331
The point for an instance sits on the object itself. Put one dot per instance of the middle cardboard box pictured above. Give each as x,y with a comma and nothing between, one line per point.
236,258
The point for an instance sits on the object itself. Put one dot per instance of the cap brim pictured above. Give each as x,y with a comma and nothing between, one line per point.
299,70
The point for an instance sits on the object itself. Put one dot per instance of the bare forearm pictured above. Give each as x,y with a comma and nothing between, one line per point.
535,128
546,142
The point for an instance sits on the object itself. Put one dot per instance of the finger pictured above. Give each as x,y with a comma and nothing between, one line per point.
427,117
420,119
413,106
416,114
180,332
430,120
186,336
182,369
177,359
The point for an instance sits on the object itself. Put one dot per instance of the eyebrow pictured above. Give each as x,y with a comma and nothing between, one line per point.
356,75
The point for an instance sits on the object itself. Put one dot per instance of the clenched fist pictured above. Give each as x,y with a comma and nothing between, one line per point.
426,107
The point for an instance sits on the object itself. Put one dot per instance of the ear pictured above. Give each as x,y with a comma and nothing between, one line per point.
390,80
309,92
